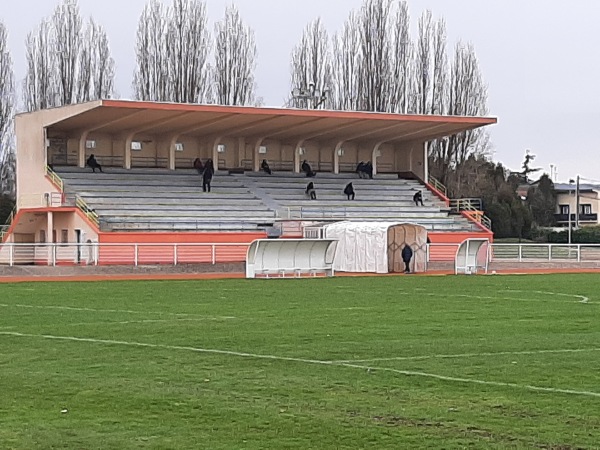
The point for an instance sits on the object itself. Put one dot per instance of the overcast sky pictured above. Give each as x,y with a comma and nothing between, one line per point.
540,60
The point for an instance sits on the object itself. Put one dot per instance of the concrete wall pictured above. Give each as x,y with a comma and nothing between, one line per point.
30,129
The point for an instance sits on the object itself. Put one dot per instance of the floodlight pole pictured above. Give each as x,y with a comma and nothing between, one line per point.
313,97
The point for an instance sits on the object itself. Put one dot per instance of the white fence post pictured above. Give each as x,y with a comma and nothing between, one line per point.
135,256
214,254
53,255
174,254
520,253
11,255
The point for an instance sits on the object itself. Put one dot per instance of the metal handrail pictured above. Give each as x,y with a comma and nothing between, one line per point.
89,212
438,185
4,228
58,182
469,204
472,207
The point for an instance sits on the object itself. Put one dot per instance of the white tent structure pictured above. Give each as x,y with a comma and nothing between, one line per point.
376,247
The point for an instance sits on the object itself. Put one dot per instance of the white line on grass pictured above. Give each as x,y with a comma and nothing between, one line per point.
133,322
582,298
306,361
470,355
474,381
487,297
117,311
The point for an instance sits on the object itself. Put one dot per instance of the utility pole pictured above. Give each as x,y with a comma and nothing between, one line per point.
577,204
569,235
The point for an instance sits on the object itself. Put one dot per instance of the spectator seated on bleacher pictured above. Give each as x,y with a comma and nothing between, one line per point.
349,191
198,165
265,167
364,170
91,162
418,198
310,191
368,168
307,169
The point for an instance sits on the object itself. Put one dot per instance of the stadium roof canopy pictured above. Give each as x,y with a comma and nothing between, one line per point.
119,116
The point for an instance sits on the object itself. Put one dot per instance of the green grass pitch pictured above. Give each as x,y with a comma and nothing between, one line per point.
385,362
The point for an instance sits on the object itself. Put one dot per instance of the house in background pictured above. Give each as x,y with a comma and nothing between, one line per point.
566,204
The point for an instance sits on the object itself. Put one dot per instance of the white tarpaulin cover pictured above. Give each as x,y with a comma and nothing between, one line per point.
365,246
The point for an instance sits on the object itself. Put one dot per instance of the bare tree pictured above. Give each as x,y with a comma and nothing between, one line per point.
172,53
39,86
439,86
468,97
311,68
235,60
97,68
375,68
7,101
401,62
151,78
66,64
424,64
440,83
188,45
67,44
346,67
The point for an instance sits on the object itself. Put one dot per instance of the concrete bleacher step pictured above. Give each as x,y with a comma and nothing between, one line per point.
176,209
321,175
241,192
188,213
326,202
159,199
202,201
157,183
342,199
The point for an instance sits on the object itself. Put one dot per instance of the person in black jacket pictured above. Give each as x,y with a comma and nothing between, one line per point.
265,167
198,165
349,191
407,255
307,169
368,169
91,162
207,175
361,170
310,191
418,198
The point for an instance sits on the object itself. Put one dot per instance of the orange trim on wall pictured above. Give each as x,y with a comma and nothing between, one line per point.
13,224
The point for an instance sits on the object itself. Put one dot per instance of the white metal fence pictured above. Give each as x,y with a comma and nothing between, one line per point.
94,254
181,253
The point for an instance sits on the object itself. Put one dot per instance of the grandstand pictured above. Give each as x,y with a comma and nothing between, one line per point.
148,192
